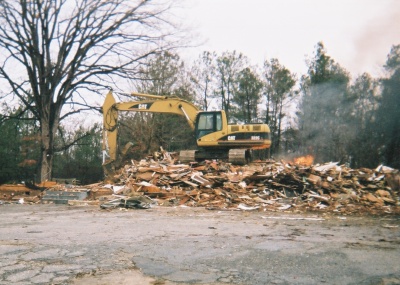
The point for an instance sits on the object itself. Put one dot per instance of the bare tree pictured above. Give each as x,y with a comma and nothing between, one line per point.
164,74
279,83
56,53
247,96
203,78
229,64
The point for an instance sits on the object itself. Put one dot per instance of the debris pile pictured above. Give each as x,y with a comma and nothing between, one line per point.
264,186
261,186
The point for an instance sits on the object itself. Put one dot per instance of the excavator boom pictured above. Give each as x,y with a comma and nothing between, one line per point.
154,104
214,136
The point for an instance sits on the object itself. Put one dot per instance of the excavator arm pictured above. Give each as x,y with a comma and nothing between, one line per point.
215,138
154,104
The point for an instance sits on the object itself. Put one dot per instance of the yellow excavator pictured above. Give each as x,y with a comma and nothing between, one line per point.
215,138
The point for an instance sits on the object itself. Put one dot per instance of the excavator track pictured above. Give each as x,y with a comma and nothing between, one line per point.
238,156
234,156
187,156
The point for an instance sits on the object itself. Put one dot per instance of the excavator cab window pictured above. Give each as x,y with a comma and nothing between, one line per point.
208,122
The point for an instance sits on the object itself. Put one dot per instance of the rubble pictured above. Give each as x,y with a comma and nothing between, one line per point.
136,202
260,186
17,193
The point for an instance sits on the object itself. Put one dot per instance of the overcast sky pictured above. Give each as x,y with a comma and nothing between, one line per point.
357,34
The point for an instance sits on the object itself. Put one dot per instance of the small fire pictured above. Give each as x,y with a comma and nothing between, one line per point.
304,160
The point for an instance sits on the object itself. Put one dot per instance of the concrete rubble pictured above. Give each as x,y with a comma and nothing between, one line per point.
260,186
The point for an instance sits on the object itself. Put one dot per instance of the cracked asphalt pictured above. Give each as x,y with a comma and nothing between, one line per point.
60,244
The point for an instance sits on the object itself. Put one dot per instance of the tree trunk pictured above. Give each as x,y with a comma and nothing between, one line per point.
48,129
46,164
279,126
46,156
267,109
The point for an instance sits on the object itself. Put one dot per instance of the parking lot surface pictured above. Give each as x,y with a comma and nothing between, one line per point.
60,244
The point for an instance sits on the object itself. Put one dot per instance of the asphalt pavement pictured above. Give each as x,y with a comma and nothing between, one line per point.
61,244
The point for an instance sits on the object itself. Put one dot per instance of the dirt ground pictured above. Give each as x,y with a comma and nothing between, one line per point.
60,244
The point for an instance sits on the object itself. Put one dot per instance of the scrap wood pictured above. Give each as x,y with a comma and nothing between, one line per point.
284,207
247,208
319,197
327,167
371,198
184,200
314,179
382,193
393,180
148,175
190,183
199,179
269,185
143,169
388,200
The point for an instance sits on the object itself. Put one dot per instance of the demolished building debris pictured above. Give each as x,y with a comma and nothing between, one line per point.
260,186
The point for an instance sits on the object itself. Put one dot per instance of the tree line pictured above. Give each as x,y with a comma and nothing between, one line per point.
69,56
325,112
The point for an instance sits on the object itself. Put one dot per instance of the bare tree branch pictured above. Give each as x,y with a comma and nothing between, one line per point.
51,50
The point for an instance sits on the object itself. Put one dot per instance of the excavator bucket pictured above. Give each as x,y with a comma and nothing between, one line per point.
110,131
109,169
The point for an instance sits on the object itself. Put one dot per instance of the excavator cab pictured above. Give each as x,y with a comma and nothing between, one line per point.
208,122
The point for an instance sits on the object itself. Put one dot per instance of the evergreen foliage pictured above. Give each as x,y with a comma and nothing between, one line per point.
387,121
323,108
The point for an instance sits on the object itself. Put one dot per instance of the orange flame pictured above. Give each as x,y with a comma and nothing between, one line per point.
304,160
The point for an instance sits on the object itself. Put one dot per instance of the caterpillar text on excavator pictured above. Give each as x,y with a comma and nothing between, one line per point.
215,138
